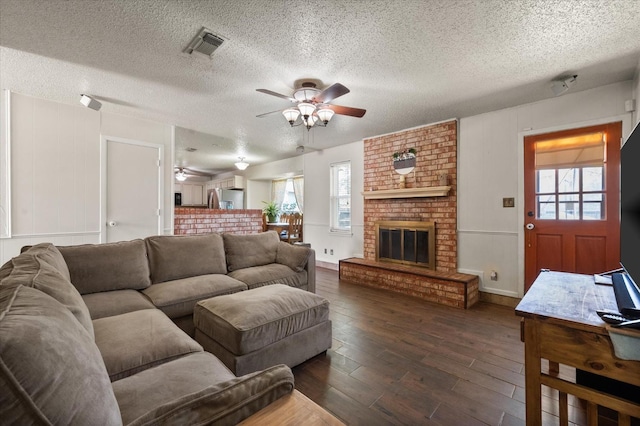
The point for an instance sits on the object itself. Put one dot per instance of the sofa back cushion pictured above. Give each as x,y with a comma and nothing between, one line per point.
244,251
174,257
43,268
295,257
51,371
105,267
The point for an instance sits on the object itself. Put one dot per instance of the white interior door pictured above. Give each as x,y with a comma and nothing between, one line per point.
132,198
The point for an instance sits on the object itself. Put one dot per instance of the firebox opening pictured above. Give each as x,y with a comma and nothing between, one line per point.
406,242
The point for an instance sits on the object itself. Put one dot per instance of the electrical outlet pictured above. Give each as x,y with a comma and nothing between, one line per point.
331,252
325,251
494,276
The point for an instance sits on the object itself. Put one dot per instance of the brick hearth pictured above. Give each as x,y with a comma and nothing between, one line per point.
451,289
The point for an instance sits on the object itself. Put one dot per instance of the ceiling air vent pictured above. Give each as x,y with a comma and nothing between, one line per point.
204,42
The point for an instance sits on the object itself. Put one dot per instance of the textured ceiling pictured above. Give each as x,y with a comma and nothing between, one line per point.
406,62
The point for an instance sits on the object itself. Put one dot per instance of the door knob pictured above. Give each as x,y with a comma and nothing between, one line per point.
530,226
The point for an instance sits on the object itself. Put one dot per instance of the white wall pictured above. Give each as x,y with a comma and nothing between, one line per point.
316,203
55,170
490,167
258,179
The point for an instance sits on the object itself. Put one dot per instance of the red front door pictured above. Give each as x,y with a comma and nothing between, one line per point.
572,193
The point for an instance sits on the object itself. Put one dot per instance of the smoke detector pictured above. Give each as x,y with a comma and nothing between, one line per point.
205,42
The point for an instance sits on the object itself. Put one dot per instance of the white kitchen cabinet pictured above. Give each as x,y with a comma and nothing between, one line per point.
233,182
192,194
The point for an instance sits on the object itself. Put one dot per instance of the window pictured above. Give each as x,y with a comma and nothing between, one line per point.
288,194
570,178
340,197
289,203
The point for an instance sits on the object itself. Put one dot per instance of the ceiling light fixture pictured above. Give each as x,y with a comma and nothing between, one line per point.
242,165
180,175
558,87
310,114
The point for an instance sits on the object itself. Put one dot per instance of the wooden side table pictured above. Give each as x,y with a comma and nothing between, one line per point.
560,324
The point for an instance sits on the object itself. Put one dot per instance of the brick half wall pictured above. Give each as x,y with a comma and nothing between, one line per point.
190,221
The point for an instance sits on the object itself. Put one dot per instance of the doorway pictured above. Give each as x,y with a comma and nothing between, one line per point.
131,189
572,193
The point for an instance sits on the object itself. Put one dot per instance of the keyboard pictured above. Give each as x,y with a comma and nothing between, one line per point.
627,295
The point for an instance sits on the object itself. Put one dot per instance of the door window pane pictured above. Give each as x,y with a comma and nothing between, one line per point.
569,207
592,179
546,206
569,180
546,181
593,206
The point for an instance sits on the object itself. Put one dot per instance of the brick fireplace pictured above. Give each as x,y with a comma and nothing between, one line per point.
436,167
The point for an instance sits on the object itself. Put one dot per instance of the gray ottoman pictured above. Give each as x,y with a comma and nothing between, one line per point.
255,329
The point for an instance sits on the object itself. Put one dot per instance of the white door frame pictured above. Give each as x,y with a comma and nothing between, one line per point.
103,180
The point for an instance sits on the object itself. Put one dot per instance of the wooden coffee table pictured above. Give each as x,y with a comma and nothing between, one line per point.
293,409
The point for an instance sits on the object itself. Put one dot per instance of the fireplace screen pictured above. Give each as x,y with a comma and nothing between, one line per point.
409,243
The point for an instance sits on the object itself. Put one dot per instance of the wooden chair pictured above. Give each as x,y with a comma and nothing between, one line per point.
294,233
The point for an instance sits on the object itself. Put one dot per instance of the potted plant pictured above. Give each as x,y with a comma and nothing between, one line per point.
271,210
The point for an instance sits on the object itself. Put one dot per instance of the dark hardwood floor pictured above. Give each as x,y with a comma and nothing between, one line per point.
399,360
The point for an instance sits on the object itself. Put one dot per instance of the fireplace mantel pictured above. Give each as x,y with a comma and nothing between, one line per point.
432,191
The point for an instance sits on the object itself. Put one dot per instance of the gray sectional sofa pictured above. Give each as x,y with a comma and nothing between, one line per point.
87,335
173,273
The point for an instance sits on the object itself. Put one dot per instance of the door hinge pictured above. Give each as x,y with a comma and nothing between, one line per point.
158,212
158,163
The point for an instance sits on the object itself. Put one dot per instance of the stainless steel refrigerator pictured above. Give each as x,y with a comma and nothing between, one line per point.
225,198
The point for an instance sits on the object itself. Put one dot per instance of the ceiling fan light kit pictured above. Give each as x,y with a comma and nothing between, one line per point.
181,176
312,105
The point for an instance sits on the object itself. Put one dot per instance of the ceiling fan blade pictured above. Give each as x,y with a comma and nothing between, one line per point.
268,113
330,93
343,110
278,95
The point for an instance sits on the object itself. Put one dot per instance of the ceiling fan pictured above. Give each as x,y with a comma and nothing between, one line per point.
312,105
182,173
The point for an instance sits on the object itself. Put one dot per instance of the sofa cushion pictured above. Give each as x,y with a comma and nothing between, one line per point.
138,340
51,371
295,257
177,298
105,267
42,268
273,273
50,254
173,257
251,320
244,251
198,389
110,303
